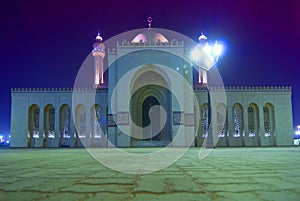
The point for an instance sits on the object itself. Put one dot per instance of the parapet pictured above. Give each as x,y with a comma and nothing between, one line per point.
58,89
172,43
244,88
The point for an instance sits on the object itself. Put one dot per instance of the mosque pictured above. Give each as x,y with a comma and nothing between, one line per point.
142,90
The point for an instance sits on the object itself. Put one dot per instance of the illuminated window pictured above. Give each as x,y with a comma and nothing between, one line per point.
221,120
50,122
96,119
35,123
80,121
237,120
65,122
251,122
204,120
267,121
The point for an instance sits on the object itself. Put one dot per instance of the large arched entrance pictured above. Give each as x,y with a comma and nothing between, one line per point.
149,96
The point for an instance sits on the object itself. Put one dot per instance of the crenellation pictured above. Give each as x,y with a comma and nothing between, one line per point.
127,44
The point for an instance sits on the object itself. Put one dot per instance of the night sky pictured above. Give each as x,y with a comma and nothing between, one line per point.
43,43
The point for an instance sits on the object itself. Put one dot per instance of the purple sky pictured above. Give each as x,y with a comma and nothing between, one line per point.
43,43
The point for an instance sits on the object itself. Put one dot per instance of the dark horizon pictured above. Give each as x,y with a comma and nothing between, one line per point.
44,43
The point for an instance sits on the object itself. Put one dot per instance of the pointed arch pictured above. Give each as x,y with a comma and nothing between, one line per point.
145,92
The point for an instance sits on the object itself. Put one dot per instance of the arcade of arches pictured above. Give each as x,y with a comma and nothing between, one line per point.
57,126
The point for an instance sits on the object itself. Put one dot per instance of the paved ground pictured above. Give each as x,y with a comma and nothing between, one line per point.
226,174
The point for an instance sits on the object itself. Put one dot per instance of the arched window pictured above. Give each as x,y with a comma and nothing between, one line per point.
34,123
49,118
237,115
268,120
95,121
65,121
253,121
80,121
204,120
221,120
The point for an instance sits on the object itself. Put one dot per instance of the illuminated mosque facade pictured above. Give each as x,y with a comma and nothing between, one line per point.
107,114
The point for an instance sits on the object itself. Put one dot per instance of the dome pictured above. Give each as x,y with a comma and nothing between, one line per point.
202,37
98,41
98,38
149,35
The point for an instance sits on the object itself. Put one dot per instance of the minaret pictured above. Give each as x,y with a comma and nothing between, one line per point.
202,73
98,54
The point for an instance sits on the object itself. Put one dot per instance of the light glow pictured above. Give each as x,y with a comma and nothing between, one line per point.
196,55
202,37
99,37
140,38
297,132
217,49
97,77
207,49
51,134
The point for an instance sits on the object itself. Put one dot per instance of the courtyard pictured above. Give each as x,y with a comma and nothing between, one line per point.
225,174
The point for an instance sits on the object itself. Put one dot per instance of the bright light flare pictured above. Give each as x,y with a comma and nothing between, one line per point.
196,54
217,49
207,49
297,132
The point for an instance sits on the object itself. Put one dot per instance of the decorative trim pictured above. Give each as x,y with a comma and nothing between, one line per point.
243,88
178,118
59,89
123,118
120,119
111,120
127,44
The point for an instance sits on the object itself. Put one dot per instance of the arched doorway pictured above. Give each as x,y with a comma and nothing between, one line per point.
151,127
149,90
